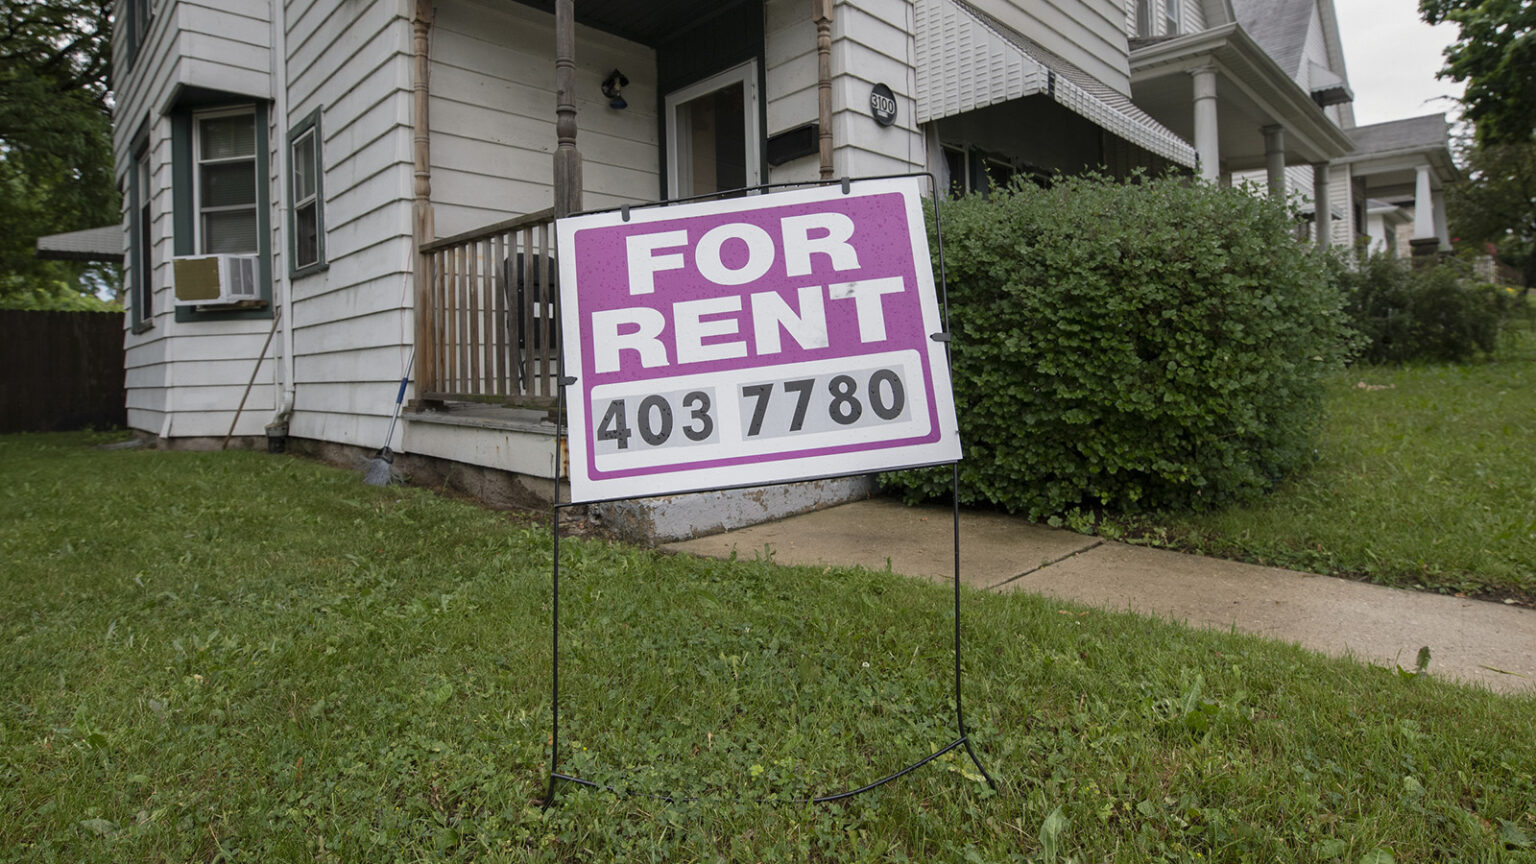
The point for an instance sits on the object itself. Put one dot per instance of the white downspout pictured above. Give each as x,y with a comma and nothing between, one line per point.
281,284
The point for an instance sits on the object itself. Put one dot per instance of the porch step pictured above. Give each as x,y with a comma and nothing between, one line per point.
678,517
521,443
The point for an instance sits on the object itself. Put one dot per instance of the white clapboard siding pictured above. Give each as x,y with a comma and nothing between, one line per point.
1192,17
872,44
353,62
386,295
145,353
349,401
353,365
176,372
790,59
329,337
222,46
1341,194
493,99
1090,34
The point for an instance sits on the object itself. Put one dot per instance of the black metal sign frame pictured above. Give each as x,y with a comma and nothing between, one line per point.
963,737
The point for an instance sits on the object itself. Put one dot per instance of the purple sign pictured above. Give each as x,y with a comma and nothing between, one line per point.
751,341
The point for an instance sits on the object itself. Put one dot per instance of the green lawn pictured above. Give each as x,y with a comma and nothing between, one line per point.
1426,478
244,657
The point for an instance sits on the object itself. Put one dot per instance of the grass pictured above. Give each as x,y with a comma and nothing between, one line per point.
1426,478
242,657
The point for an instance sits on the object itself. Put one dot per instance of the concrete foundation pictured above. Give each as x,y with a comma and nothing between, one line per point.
681,517
662,519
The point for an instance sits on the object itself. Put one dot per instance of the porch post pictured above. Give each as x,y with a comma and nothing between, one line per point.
821,12
1207,145
1442,230
1274,160
1322,207
1425,241
423,227
567,157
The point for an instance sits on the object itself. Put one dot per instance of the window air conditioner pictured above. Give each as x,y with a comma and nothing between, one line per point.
209,279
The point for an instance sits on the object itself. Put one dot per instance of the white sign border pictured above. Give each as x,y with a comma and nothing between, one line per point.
584,489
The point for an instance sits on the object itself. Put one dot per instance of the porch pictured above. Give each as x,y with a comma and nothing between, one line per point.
674,100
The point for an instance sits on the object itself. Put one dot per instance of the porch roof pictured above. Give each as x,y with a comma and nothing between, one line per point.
1252,92
92,244
967,60
649,23
1387,155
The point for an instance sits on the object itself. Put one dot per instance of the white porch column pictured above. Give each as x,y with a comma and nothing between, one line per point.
1442,231
1423,206
1322,207
1207,147
1274,160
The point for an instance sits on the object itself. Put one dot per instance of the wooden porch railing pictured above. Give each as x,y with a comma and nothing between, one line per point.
494,333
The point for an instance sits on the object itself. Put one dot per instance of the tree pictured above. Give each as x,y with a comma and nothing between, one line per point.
55,142
1496,202
1495,54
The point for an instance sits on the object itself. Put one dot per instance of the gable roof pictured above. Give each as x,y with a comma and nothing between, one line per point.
92,244
1384,150
1395,136
1279,26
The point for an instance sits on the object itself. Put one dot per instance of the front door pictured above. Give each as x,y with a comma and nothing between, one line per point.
713,140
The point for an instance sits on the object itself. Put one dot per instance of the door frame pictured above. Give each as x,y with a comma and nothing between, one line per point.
747,75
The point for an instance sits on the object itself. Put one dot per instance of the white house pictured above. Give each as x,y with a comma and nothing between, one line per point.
381,178
1261,88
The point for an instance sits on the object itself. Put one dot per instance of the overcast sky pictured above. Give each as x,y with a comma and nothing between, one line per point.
1392,57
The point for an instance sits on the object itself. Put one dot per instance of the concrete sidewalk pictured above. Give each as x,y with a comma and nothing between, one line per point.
1471,640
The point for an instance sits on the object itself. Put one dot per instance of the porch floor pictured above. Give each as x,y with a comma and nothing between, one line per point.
478,415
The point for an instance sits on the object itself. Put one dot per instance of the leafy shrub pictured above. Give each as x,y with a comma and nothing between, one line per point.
1437,314
1156,344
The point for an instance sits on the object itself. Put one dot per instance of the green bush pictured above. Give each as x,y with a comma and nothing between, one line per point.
1129,346
1435,314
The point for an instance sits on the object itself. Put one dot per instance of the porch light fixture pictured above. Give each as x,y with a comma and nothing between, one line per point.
613,88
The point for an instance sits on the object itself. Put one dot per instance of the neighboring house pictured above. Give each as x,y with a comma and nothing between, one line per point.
1405,164
383,177
1261,88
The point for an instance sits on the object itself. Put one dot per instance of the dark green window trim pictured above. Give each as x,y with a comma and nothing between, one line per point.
140,15
142,293
183,172
309,124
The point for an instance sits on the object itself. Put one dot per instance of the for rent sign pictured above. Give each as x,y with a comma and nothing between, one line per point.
749,341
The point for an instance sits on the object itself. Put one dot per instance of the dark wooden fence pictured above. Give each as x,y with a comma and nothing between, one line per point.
60,370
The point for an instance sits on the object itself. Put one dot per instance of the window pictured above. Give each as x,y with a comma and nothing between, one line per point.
226,182
306,195
954,165
1171,17
972,170
997,173
1143,18
220,195
143,277
140,15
